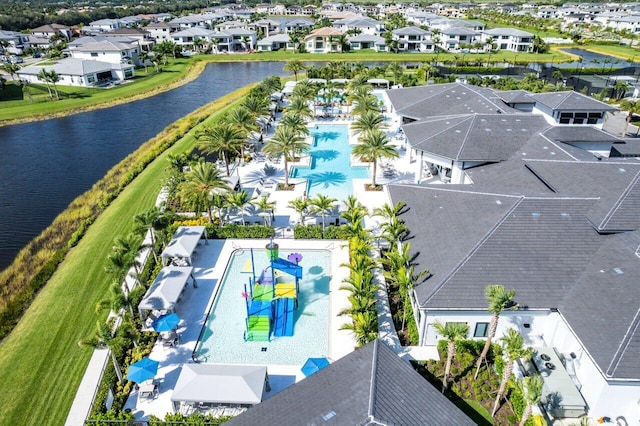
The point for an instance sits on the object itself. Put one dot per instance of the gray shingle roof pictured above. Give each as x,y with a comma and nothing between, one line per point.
410,31
369,386
580,134
602,308
474,137
516,97
571,101
507,31
615,184
445,99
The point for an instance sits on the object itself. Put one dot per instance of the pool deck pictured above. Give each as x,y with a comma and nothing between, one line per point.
195,304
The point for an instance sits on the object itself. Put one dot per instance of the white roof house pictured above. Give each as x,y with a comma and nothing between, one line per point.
509,39
79,72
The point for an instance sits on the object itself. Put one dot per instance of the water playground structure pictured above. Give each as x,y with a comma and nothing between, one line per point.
272,296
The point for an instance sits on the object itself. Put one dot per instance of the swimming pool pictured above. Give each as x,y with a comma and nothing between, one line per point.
331,173
222,337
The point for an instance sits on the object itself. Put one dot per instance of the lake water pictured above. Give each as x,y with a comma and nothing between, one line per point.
45,165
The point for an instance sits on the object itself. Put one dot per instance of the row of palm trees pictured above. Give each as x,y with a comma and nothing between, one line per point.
360,284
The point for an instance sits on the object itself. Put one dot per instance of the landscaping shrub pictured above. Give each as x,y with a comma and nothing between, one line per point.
196,419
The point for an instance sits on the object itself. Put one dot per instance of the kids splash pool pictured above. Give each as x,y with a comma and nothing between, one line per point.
223,338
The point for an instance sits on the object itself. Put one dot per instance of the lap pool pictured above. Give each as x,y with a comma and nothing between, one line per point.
331,173
222,337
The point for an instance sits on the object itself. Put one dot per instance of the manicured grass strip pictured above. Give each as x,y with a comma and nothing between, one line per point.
475,411
619,51
41,364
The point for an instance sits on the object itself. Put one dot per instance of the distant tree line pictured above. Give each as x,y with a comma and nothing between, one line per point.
20,16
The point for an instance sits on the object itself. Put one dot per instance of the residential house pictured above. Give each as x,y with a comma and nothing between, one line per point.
50,30
13,41
80,72
413,39
371,385
309,10
368,41
359,25
293,10
457,38
558,225
111,51
234,40
186,38
299,24
323,40
160,31
103,25
275,42
267,27
508,39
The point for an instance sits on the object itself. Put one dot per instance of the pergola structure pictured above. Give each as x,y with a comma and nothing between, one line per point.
166,290
183,244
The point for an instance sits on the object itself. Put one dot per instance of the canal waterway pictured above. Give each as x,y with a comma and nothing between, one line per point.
44,165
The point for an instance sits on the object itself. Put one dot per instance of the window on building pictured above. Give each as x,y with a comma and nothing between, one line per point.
94,54
482,329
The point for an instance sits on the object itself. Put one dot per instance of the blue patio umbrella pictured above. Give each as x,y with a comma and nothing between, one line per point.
313,365
142,370
166,323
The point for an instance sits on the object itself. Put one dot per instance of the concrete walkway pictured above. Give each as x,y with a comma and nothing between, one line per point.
83,401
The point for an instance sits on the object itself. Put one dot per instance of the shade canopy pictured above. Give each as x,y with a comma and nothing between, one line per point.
165,290
313,365
166,323
184,242
220,384
142,370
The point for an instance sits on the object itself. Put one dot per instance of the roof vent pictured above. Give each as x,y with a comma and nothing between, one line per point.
638,252
565,214
621,169
329,415
508,130
457,131
535,214
618,271
498,202
487,130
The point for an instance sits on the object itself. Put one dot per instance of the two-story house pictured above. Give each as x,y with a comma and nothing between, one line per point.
413,39
509,39
323,40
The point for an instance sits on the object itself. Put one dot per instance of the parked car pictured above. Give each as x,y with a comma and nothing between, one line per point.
16,60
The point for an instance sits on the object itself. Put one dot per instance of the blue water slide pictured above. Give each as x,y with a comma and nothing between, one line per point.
289,317
287,267
280,320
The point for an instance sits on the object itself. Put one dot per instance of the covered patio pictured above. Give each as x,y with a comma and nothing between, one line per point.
378,83
207,387
180,249
164,293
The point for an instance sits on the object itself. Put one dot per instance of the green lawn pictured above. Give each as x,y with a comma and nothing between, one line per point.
475,411
41,364
15,106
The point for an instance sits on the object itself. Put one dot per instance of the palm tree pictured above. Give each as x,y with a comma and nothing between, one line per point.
354,214
240,200
223,138
242,119
43,75
305,90
295,122
295,66
364,325
531,388
257,106
394,232
364,104
200,182
374,146
299,106
397,70
367,122
513,345
620,89
147,221
101,338
498,299
389,212
267,207
322,205
406,279
144,59
288,143
633,107
125,252
300,205
453,332
11,68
